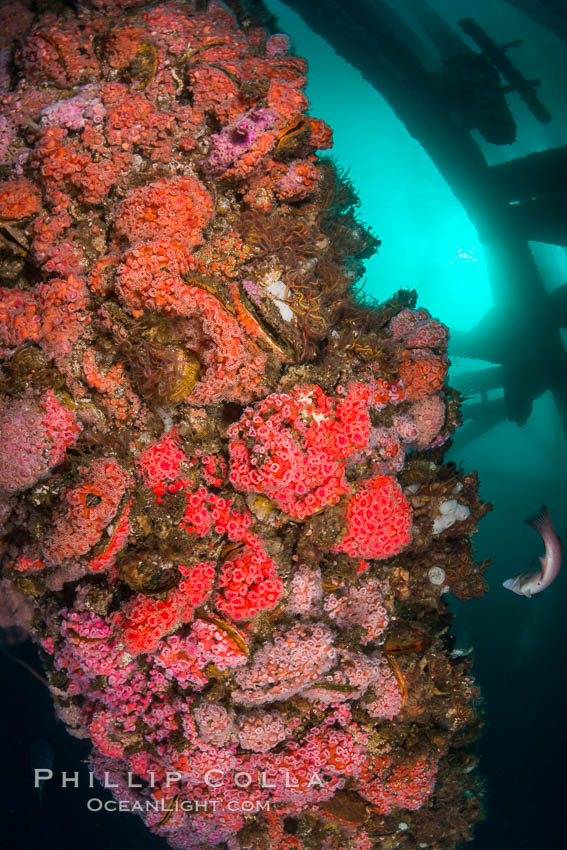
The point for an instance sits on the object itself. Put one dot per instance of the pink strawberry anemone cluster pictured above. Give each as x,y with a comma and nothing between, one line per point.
223,501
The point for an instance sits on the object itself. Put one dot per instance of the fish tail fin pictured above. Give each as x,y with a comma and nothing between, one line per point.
539,520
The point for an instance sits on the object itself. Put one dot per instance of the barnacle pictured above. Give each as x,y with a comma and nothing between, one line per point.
144,65
163,369
165,374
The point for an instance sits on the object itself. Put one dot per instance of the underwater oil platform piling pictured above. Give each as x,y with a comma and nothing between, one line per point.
508,204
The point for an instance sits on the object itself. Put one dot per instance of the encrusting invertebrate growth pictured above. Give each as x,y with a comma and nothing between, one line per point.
224,504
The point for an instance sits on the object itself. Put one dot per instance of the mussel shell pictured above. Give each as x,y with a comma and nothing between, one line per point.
146,573
230,631
294,136
210,287
28,365
405,638
336,687
266,336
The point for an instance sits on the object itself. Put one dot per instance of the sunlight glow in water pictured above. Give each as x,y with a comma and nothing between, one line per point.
428,242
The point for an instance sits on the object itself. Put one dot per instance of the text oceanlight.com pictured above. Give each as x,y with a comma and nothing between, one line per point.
95,804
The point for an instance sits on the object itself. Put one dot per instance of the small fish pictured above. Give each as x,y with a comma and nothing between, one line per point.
169,811
461,653
529,584
41,757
